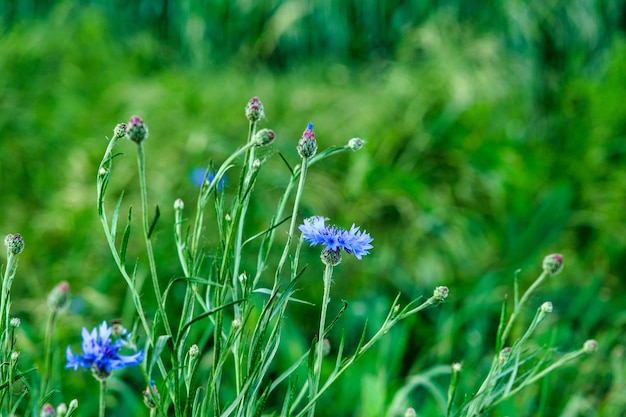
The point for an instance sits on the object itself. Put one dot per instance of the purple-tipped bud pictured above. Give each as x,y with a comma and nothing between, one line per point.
355,144
331,257
14,243
590,346
264,137
137,131
120,131
553,264
440,293
307,146
59,297
48,411
151,396
254,110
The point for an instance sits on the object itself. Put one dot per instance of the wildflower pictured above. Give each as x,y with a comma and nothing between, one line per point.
353,241
307,146
355,144
553,264
101,353
59,297
14,243
264,137
254,110
137,131
200,175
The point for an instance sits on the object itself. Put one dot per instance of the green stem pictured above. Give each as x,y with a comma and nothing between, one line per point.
103,390
5,301
519,305
319,356
48,351
141,162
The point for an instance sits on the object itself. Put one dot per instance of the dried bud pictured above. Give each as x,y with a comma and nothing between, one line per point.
307,146
440,293
14,243
264,137
120,131
137,131
331,257
254,110
59,297
546,307
553,264
355,144
151,395
47,411
590,346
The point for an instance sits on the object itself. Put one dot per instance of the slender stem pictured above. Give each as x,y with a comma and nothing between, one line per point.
5,301
141,162
103,391
319,356
294,217
48,351
518,307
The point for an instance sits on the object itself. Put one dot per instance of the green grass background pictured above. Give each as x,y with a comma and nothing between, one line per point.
495,135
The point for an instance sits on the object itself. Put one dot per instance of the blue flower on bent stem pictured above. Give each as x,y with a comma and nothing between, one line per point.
353,241
101,353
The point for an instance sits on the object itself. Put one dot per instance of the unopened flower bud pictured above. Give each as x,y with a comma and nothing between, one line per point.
14,243
590,346
264,137
194,351
117,330
504,355
47,411
179,204
325,347
151,395
120,130
137,131
553,264
227,217
254,110
59,297
307,146
546,307
256,164
15,322
410,412
61,410
440,293
355,144
72,407
236,323
243,278
331,257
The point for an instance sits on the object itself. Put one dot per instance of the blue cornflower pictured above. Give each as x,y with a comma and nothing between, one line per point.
197,175
353,241
101,352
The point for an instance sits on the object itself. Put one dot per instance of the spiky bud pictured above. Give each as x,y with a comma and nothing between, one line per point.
59,297
254,110
307,146
137,131
264,137
440,293
14,243
553,264
355,144
120,131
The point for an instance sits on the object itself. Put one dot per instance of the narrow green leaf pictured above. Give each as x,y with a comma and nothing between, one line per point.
126,236
156,353
154,221
116,212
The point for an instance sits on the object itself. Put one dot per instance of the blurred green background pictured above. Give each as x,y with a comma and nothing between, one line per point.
495,135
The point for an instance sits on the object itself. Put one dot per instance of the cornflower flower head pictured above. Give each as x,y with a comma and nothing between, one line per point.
353,241
101,353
